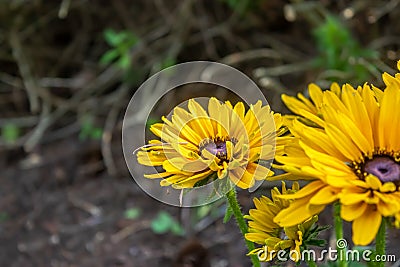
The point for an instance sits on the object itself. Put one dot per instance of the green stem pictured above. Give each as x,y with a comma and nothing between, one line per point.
311,263
380,245
234,204
338,222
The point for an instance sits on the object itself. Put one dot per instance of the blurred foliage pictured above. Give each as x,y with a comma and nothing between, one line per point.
339,50
209,210
247,7
89,130
132,213
10,133
241,6
121,43
166,63
165,223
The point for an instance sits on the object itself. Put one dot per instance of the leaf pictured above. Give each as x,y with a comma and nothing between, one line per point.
111,37
86,128
228,214
10,133
316,242
202,182
132,213
162,223
203,211
168,62
124,61
109,56
132,39
177,229
96,133
151,121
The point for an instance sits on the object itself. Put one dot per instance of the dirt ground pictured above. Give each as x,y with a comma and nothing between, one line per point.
65,192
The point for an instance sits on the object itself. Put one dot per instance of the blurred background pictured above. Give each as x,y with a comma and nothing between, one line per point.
68,70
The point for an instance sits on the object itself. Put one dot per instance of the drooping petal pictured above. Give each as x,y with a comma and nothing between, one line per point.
366,226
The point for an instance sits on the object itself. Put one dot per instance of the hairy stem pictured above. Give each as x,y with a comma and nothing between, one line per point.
234,204
338,222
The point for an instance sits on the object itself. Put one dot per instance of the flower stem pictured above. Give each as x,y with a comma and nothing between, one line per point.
234,204
311,263
338,222
381,242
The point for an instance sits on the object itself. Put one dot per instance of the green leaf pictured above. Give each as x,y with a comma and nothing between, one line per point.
10,133
168,62
316,242
131,40
177,229
86,127
109,56
111,37
202,182
162,223
132,213
124,61
228,214
96,133
202,211
151,121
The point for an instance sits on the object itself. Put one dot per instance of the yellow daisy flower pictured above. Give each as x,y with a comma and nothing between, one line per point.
264,231
224,140
346,141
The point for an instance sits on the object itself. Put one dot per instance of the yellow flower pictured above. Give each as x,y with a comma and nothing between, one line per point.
264,231
346,141
224,140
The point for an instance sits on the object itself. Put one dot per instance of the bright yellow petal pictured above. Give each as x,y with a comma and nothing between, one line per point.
366,226
325,196
352,212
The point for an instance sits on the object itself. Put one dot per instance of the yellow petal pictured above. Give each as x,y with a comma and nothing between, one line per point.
366,226
306,191
388,187
352,212
373,182
343,142
296,213
325,196
353,198
315,94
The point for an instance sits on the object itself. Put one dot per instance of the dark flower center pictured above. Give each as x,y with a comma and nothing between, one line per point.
216,147
385,168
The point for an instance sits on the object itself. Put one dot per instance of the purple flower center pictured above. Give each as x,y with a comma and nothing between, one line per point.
385,168
217,148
